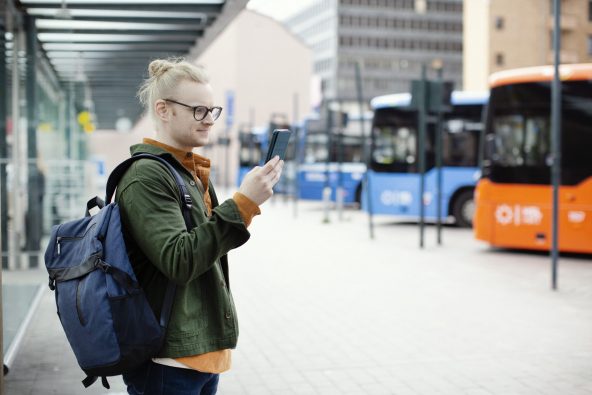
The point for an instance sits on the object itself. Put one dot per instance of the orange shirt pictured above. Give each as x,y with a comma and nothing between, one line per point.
215,361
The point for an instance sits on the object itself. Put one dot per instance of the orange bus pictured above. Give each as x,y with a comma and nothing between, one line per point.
514,195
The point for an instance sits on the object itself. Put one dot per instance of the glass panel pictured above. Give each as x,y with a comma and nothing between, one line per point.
394,141
576,132
460,142
521,140
394,145
351,149
315,148
250,150
520,123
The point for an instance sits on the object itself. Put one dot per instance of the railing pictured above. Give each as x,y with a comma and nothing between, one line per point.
58,188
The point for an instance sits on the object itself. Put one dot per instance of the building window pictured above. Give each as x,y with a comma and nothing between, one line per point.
590,10
499,59
499,23
590,45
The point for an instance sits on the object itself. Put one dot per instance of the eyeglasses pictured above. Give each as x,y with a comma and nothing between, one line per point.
200,112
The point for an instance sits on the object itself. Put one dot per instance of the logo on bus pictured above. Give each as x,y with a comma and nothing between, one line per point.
315,177
518,215
576,217
396,198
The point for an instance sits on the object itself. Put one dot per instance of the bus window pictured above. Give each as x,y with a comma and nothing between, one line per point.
351,148
394,141
394,146
250,153
460,143
522,133
577,133
522,140
315,148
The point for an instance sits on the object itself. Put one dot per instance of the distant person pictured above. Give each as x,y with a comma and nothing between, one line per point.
203,327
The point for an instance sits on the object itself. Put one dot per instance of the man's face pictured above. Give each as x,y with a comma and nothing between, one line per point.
184,130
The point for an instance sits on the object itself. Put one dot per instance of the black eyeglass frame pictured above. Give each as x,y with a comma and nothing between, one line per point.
194,108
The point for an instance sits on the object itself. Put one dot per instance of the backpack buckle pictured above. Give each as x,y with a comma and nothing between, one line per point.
188,201
105,267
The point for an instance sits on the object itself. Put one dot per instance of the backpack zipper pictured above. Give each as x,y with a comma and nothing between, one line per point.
60,239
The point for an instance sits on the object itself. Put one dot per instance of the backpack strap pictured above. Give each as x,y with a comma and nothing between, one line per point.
89,380
186,204
120,170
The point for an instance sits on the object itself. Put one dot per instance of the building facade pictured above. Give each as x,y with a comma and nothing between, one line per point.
389,39
506,34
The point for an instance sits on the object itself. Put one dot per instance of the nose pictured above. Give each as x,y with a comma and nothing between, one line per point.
209,120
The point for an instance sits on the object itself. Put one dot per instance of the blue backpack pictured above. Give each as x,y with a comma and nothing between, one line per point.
103,310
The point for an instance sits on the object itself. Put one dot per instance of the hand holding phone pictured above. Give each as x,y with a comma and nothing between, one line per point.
278,144
258,183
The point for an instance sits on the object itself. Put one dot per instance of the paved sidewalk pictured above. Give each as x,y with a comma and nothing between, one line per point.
325,310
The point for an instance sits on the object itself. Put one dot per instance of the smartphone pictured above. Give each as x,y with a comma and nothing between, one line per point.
278,144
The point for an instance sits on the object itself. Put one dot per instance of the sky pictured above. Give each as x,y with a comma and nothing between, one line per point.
278,9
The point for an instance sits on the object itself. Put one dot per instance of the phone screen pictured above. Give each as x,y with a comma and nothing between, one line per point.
278,144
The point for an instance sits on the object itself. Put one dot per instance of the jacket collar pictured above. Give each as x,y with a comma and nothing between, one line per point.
149,149
155,150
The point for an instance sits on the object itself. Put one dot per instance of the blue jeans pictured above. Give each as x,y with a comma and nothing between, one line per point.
156,379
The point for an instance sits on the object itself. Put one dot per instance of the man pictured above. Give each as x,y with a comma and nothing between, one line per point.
203,327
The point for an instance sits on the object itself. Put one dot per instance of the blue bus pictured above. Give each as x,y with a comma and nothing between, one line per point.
253,147
393,173
342,162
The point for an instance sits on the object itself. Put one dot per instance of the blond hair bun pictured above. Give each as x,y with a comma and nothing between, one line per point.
158,67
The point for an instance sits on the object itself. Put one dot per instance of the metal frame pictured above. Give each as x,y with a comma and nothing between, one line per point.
105,45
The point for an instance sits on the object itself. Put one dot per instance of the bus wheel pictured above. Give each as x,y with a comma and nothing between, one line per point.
463,209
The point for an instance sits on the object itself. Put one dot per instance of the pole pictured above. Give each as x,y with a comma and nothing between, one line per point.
556,140
3,146
68,123
296,142
366,152
327,187
16,233
422,111
33,225
339,192
3,194
439,165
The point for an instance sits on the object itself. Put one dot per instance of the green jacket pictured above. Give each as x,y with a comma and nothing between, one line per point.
203,318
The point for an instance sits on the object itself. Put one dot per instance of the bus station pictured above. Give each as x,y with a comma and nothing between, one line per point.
431,232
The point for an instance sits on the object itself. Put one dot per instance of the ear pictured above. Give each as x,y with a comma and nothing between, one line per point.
161,110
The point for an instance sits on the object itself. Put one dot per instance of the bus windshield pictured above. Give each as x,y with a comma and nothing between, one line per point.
343,148
395,139
518,133
346,145
250,149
